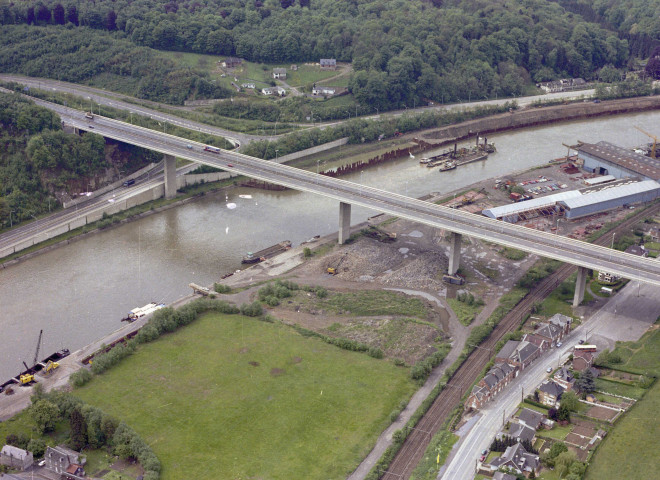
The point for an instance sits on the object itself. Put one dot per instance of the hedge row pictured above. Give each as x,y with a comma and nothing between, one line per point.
344,343
422,369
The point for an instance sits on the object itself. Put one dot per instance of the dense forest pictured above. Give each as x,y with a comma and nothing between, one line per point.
403,52
39,162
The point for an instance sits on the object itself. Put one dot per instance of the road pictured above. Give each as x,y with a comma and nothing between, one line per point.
114,100
603,329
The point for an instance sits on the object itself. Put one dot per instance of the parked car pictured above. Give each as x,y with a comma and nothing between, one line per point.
581,342
559,344
482,458
549,370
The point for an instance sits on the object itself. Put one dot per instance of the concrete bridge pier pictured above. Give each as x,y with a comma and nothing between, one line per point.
344,222
580,285
170,176
454,252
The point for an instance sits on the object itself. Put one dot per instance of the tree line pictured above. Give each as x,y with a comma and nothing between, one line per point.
403,53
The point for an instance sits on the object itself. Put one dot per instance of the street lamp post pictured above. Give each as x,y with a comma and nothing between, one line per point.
131,112
276,150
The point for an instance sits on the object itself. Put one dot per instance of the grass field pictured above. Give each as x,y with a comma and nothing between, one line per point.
631,447
465,313
232,397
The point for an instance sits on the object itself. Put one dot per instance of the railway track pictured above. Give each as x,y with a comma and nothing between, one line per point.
419,438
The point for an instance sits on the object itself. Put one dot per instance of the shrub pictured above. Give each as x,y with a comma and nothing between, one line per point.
37,446
80,378
307,252
253,309
220,288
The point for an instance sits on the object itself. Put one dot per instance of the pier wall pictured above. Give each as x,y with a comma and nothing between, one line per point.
533,116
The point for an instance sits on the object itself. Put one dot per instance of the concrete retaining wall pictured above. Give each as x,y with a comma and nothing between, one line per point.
540,116
107,188
312,151
185,180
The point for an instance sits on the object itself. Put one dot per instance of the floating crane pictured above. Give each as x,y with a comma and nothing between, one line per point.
655,141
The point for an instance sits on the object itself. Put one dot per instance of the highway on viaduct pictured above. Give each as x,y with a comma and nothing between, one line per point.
541,243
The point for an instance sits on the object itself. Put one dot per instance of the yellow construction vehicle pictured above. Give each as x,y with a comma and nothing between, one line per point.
335,269
652,153
50,366
27,378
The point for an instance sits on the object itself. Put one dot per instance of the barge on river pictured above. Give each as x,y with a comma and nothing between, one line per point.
266,253
36,368
140,312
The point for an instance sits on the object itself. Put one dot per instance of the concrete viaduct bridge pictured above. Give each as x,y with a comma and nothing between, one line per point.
584,255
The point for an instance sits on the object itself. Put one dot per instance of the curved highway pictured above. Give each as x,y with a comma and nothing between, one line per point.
541,243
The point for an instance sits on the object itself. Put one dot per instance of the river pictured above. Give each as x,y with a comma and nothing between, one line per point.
78,293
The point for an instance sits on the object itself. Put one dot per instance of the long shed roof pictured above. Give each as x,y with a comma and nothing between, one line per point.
635,162
519,207
647,186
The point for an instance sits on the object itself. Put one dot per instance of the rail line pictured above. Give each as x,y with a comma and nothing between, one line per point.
419,438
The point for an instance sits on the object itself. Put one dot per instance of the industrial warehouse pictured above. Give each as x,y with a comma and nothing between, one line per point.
626,178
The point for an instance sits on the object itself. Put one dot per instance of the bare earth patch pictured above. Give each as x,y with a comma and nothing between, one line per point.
276,372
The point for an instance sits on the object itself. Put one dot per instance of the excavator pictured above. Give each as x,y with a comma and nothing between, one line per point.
335,269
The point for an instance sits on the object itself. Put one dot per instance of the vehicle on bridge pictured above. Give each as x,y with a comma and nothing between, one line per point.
130,182
89,115
208,148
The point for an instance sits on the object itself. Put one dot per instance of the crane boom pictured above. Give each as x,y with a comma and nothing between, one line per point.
36,354
655,140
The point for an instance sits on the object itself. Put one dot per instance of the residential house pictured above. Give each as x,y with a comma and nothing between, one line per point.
638,250
294,67
562,321
521,432
582,360
562,85
654,233
550,393
323,91
248,85
328,64
530,418
518,354
540,342
273,91
15,458
517,459
607,277
551,332
231,62
279,73
564,378
489,386
503,476
60,458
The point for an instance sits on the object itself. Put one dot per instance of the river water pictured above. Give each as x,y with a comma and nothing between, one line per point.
78,293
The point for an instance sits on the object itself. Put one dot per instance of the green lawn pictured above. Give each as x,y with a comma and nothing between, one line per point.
619,388
631,445
232,397
465,313
558,432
